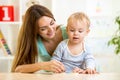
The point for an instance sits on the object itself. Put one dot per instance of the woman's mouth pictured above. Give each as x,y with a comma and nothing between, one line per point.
50,34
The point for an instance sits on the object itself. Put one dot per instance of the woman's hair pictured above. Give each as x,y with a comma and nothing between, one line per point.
79,16
27,52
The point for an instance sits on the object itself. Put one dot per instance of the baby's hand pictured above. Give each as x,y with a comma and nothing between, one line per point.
90,71
78,70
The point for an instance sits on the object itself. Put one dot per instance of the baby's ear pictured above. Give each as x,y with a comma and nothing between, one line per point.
88,30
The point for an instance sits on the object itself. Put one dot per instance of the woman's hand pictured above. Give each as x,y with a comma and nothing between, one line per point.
53,65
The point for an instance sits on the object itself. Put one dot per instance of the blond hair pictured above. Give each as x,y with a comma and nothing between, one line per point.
79,16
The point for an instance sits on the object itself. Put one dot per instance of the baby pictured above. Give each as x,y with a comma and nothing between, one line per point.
73,52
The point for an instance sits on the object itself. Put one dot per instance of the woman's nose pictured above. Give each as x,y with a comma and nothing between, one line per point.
50,29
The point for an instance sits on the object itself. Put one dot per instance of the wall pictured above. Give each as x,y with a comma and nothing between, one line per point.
102,26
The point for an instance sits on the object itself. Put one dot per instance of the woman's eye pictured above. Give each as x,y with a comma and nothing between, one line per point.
72,30
42,29
52,22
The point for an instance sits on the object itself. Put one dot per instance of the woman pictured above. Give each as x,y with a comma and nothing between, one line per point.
38,38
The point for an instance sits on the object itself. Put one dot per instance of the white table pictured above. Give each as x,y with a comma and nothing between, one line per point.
60,76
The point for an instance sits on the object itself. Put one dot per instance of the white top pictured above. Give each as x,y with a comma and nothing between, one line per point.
83,60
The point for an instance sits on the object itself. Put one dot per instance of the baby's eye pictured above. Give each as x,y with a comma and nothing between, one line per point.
80,31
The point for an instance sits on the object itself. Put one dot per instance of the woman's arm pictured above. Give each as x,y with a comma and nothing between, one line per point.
54,66
27,68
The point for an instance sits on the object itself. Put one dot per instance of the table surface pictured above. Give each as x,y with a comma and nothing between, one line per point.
60,76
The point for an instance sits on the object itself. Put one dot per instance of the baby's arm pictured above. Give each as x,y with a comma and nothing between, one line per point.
90,64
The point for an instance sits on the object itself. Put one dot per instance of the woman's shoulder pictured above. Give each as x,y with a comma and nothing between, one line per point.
62,28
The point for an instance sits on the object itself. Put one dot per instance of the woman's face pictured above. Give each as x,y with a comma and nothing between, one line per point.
47,27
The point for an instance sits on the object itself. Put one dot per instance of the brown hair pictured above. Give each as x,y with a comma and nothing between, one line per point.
26,52
80,17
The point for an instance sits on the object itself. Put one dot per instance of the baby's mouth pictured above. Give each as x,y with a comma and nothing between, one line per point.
75,38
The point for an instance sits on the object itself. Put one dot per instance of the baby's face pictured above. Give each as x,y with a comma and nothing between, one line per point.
76,31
